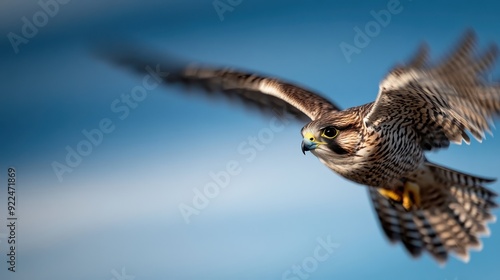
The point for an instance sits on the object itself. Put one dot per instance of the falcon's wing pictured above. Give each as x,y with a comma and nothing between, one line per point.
443,101
270,95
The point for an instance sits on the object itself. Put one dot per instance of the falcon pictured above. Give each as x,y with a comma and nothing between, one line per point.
421,106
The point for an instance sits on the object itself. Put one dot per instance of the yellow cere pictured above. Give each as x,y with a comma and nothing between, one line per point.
309,136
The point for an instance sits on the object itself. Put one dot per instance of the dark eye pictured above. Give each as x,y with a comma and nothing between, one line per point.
330,132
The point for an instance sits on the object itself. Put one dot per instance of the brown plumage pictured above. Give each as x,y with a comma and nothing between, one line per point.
420,106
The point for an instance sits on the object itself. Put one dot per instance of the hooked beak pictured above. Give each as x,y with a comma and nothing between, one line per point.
309,143
304,148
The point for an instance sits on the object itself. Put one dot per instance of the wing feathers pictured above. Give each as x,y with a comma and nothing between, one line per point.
420,58
451,98
269,95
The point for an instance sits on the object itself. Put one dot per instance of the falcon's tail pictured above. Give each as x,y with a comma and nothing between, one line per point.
451,217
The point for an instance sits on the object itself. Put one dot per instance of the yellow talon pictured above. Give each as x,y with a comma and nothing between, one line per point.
411,195
408,196
390,194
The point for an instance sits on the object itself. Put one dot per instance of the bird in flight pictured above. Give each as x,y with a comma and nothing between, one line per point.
421,106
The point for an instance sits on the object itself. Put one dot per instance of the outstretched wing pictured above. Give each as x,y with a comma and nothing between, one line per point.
269,95
443,101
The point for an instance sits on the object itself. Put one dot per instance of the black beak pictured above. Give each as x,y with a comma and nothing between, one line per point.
304,148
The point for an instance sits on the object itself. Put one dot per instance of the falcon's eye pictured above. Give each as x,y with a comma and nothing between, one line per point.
330,132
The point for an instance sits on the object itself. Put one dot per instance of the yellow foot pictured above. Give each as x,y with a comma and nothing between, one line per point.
390,194
408,195
411,195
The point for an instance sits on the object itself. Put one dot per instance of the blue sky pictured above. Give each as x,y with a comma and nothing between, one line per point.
119,207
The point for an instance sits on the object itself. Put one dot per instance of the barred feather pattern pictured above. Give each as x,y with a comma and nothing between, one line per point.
450,219
275,94
452,216
447,99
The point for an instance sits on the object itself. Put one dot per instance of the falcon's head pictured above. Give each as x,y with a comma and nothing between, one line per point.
333,139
